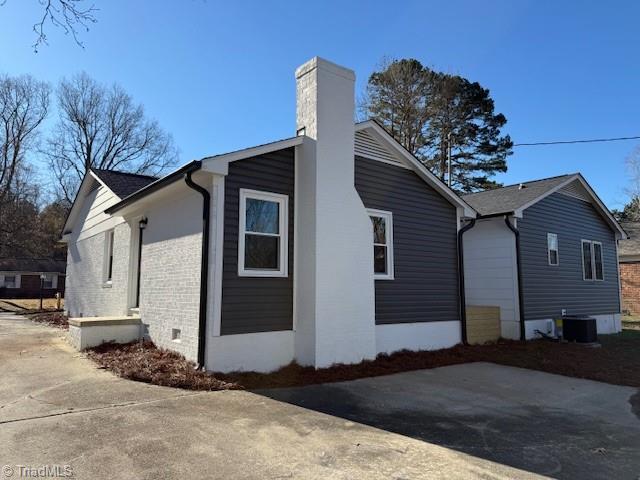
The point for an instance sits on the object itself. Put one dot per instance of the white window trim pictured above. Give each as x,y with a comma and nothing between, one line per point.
109,240
283,227
54,280
593,260
11,274
557,250
388,231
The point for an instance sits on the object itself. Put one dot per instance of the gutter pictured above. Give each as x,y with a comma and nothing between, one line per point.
516,232
155,186
461,288
204,263
185,173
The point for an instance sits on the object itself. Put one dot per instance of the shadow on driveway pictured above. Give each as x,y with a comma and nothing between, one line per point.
542,423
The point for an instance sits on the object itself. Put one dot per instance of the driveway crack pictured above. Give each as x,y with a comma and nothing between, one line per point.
105,407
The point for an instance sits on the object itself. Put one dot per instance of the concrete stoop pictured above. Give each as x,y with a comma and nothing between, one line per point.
89,332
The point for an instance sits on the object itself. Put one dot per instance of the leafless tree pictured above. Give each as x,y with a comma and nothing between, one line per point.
24,102
632,164
69,15
101,127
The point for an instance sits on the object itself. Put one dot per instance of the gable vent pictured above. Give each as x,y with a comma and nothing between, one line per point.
576,190
367,146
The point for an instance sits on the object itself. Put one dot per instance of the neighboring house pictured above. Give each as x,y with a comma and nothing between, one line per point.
331,246
629,258
568,255
24,277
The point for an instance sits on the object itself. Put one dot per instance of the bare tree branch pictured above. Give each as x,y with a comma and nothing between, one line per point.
103,128
24,103
69,15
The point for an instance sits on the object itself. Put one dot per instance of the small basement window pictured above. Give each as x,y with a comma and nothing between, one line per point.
263,232
552,248
592,260
382,222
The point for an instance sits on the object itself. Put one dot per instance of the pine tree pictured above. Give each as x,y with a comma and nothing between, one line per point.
427,110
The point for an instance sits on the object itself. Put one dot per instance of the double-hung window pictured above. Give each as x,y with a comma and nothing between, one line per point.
592,263
382,223
263,234
552,249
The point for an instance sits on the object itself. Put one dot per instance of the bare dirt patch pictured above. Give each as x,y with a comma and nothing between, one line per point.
30,305
144,362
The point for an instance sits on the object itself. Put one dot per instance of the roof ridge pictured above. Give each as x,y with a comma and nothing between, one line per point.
521,183
123,173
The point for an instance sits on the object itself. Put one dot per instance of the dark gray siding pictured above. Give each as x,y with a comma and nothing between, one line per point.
256,304
549,289
425,288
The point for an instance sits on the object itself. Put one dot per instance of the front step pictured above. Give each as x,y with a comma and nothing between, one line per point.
134,311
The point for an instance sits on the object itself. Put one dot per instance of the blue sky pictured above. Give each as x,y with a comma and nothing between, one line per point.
219,75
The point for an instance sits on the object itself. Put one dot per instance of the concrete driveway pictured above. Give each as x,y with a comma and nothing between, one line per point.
57,410
537,422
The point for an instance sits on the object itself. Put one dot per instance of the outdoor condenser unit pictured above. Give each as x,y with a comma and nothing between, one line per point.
579,328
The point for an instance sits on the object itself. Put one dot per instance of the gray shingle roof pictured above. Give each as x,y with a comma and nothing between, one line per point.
632,245
510,198
123,184
32,265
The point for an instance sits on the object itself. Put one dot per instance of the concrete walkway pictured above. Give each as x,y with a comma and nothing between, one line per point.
57,409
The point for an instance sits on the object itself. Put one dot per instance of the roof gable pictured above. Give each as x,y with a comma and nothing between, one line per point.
515,199
398,155
510,198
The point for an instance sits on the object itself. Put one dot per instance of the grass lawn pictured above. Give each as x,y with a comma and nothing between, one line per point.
616,360
29,305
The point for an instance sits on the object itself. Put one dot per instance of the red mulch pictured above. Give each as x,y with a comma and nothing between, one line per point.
54,319
616,360
144,362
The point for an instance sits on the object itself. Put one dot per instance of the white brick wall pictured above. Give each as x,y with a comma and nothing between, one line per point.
86,294
170,279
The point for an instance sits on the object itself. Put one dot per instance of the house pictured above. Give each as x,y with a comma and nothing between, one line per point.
330,246
541,249
29,277
629,259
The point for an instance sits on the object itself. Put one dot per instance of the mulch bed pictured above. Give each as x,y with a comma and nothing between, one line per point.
54,319
616,360
144,362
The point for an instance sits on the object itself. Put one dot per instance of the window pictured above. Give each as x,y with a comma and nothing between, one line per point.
382,244
263,230
108,256
552,248
49,280
10,281
597,261
592,266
